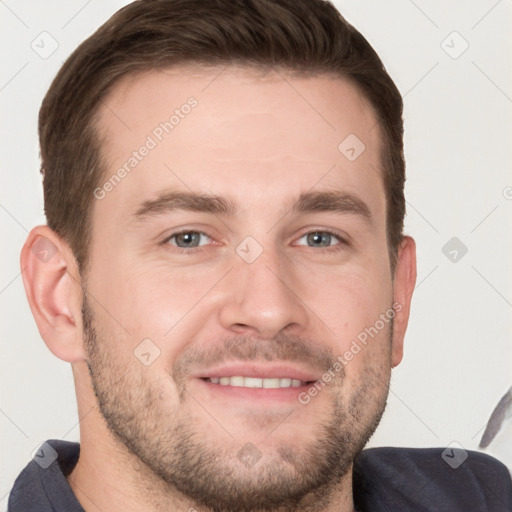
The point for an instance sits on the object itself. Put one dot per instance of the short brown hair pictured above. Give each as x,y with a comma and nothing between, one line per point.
308,36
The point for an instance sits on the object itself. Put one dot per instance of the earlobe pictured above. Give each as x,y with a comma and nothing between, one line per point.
404,283
52,286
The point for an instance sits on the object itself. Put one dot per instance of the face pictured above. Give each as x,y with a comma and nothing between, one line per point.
243,247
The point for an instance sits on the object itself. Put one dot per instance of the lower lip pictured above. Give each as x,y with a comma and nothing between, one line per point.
253,394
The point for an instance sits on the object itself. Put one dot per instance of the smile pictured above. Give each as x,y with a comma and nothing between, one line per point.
255,382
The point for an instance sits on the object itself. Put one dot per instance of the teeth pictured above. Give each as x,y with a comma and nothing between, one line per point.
255,382
286,383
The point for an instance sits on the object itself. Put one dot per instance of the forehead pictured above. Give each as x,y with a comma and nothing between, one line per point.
236,130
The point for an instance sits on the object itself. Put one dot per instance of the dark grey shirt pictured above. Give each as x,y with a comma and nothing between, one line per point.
385,480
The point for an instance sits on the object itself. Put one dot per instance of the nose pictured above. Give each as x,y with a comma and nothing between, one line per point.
261,298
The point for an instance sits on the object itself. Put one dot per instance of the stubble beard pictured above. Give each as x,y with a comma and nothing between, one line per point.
210,474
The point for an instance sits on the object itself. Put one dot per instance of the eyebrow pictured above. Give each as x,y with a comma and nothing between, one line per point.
170,201
308,202
338,202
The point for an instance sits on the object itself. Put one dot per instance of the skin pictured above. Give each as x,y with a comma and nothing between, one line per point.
252,137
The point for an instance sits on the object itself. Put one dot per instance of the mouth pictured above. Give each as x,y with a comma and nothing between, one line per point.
257,383
238,390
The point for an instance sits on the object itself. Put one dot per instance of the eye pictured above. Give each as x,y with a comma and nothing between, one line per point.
320,239
187,239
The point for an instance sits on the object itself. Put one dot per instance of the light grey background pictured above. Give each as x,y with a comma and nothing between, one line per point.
458,113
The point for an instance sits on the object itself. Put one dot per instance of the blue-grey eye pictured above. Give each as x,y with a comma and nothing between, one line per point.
187,239
320,239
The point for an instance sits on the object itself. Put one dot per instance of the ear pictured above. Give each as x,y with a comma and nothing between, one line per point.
404,283
53,287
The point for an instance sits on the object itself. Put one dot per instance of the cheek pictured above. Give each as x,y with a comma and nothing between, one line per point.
150,314
165,298
146,300
349,300
356,306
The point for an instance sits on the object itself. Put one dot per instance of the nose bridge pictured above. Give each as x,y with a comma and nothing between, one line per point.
266,279
260,293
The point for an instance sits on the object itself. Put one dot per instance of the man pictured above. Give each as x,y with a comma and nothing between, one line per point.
225,269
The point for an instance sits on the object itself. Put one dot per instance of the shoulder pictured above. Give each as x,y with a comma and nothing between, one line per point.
42,485
430,479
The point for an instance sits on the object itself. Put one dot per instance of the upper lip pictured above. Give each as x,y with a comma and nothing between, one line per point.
263,371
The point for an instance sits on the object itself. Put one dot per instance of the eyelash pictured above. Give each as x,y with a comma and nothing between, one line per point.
329,249
193,250
183,250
